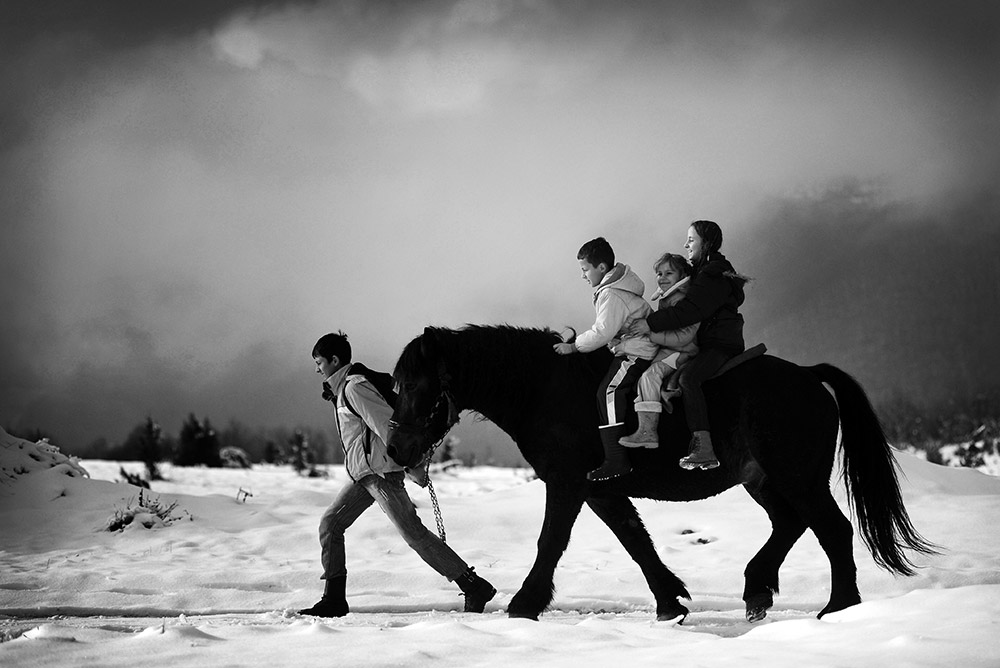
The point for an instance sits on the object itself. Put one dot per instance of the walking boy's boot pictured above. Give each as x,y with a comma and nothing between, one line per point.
646,436
478,592
615,456
700,453
334,601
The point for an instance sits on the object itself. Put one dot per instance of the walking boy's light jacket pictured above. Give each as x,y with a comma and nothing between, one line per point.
363,437
618,302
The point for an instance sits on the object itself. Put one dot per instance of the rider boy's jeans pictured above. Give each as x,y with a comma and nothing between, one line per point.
390,494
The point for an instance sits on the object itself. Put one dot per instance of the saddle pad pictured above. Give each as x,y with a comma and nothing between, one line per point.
747,354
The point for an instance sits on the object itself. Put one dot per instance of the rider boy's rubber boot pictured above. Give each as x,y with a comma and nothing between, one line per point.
334,601
478,592
700,453
646,436
615,456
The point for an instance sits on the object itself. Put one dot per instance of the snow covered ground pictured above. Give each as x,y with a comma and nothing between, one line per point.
219,585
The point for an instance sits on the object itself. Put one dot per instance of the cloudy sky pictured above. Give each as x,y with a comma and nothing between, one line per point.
193,192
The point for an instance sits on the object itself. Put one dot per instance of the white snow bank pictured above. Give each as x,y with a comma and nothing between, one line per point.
18,457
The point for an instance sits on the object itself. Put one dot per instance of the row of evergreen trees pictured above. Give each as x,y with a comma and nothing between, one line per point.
200,444
952,422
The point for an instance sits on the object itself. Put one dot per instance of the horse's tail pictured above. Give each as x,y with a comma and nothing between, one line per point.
870,476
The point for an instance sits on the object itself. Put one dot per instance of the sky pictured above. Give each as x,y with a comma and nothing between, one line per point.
193,193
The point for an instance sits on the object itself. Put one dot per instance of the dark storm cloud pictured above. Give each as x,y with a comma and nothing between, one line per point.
118,23
45,43
193,191
902,298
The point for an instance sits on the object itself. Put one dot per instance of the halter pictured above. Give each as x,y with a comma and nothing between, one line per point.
445,402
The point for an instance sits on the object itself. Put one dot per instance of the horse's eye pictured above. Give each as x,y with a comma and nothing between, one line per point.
409,386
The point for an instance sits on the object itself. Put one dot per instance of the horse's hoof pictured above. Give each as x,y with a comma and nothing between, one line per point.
522,615
757,607
672,612
837,607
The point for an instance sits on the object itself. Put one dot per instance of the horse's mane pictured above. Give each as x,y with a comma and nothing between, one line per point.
498,364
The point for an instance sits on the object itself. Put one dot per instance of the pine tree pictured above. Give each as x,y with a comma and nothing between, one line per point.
199,444
151,448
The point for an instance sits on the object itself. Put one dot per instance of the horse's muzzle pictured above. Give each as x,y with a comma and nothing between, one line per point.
404,446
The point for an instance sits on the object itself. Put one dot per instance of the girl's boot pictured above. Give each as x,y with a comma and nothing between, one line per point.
646,436
700,455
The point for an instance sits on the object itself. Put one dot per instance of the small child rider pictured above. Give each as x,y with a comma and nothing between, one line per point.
673,274
618,302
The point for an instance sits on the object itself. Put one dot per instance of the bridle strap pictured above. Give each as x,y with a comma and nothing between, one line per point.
445,401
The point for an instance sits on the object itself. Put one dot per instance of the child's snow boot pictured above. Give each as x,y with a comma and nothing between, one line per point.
700,453
646,436
615,456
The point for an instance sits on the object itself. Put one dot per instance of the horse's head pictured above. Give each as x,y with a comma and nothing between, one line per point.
425,408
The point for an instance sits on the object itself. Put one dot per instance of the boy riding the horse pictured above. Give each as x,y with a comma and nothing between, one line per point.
618,303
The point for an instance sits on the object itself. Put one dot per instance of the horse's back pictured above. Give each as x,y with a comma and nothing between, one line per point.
779,414
767,377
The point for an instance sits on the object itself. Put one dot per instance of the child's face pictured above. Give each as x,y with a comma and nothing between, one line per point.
591,274
325,367
667,276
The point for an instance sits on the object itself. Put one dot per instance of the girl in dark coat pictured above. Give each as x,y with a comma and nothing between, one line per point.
713,299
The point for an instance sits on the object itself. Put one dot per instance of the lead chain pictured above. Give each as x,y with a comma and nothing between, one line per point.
434,499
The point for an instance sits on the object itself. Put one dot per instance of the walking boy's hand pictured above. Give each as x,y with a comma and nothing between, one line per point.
564,348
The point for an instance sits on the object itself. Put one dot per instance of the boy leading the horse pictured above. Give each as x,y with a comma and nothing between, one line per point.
619,304
362,416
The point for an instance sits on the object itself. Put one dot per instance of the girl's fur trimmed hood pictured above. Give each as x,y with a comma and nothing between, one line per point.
717,264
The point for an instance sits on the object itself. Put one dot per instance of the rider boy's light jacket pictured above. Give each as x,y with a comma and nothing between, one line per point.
618,302
364,437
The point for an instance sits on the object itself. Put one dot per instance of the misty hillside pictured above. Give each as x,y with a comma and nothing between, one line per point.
910,306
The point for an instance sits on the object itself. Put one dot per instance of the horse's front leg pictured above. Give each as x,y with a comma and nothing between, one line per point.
623,519
563,500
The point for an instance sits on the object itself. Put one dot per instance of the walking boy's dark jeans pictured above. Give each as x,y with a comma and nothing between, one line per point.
390,495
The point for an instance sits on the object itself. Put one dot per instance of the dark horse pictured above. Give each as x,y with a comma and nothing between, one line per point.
774,426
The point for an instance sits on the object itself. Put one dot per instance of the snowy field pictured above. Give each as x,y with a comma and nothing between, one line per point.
219,586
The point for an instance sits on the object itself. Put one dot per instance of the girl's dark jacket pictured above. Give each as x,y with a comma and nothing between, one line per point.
713,300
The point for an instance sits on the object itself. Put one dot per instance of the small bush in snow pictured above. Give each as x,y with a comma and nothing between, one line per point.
149,513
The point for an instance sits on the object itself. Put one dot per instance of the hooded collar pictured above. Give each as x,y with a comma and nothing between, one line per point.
660,294
338,378
621,278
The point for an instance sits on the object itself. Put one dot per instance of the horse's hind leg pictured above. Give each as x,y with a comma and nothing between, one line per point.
835,535
761,573
623,519
563,501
